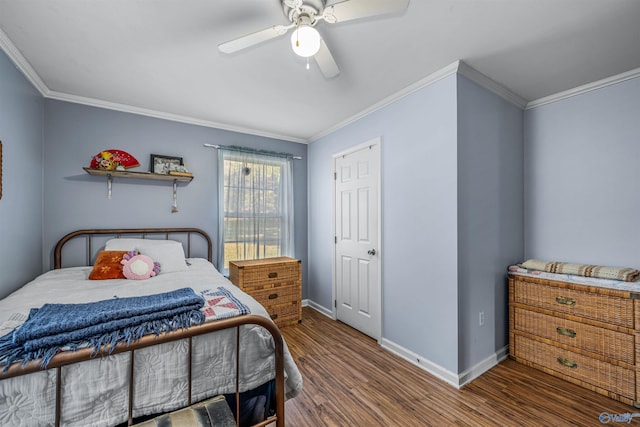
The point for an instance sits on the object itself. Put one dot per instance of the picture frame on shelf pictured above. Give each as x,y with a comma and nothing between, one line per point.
163,164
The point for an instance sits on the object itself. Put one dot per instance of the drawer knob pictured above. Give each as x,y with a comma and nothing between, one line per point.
566,332
565,301
274,316
273,296
566,362
273,275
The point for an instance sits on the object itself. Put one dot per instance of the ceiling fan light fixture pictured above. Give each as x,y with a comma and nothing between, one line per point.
305,41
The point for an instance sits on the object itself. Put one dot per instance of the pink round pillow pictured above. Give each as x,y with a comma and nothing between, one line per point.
138,267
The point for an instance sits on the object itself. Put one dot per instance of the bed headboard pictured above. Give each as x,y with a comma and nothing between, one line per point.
183,235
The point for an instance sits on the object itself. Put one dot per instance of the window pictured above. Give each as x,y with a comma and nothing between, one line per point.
255,206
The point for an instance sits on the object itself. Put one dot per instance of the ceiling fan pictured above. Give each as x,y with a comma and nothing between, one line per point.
303,15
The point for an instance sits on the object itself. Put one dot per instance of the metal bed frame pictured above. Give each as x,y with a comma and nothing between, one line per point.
67,358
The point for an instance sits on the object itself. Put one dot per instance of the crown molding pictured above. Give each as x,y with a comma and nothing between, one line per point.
459,67
456,67
27,70
599,84
491,85
166,116
426,81
22,64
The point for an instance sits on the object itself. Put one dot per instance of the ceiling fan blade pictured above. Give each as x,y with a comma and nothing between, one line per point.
357,9
325,61
293,4
254,38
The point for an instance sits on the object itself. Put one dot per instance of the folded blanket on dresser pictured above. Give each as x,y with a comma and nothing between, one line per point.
103,323
586,270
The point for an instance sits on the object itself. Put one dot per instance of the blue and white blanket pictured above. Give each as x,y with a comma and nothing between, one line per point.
222,304
103,323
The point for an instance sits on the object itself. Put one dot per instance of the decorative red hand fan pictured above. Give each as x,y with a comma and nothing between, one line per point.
111,159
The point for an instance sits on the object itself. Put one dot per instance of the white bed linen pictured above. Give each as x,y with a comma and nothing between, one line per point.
96,392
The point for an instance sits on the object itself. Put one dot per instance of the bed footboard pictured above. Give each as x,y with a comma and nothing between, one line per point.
68,358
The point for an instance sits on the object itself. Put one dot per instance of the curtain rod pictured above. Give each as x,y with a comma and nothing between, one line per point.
251,150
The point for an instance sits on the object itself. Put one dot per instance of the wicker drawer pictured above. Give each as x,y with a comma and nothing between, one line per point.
608,343
264,273
286,314
282,303
277,296
604,308
595,372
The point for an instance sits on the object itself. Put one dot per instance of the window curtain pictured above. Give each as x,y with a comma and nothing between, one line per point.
255,199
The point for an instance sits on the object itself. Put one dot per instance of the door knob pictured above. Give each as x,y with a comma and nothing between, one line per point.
371,252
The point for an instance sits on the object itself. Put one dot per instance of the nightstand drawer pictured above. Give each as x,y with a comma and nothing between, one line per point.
264,273
272,274
277,296
285,314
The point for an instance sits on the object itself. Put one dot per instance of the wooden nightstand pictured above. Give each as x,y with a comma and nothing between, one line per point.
276,283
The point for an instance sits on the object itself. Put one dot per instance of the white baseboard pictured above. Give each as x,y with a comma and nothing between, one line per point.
456,380
421,362
319,308
482,367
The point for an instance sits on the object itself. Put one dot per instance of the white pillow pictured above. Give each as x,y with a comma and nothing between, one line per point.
170,256
129,244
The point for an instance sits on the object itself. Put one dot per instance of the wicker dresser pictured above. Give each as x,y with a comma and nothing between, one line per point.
583,334
275,282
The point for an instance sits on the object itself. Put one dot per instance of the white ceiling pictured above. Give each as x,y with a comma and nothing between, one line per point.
160,57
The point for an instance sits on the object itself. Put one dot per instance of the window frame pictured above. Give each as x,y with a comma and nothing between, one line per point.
283,214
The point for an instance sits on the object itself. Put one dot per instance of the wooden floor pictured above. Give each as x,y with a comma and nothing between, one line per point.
349,380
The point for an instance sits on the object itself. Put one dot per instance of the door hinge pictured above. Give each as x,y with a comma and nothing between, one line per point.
335,303
335,239
335,176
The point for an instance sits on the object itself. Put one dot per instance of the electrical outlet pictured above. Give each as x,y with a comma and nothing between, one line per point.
481,318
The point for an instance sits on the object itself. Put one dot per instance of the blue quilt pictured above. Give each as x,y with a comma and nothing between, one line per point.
103,323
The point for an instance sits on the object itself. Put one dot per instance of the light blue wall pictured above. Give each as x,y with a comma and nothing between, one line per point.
419,225
582,177
21,117
490,217
452,219
74,199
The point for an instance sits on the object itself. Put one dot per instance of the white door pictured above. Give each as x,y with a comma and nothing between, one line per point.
357,249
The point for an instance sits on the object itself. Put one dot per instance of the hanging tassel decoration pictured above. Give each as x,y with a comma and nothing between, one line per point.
174,208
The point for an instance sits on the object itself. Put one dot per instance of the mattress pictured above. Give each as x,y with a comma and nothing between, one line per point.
96,392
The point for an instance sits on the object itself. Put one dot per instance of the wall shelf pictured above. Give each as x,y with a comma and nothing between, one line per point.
138,175
174,179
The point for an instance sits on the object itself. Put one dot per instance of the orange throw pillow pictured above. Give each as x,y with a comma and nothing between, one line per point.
108,266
